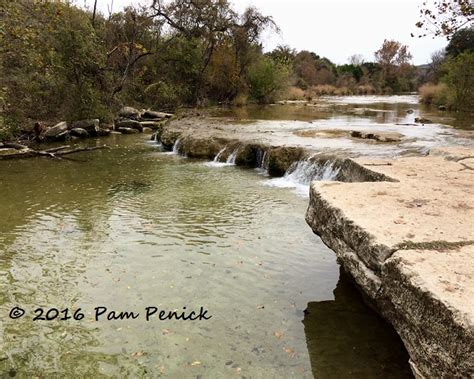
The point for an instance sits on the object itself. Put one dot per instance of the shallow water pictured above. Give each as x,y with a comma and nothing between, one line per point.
132,227
325,125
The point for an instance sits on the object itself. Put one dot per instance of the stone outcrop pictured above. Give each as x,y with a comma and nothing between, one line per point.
131,118
91,126
79,132
130,113
55,131
127,123
409,245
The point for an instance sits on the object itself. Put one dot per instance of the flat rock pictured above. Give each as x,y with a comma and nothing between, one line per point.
155,115
127,123
409,246
129,112
56,130
92,125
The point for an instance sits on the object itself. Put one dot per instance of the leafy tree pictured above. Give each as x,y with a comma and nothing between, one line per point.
462,40
394,60
266,78
283,54
460,80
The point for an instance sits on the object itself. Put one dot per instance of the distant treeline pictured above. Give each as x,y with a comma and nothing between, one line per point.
63,62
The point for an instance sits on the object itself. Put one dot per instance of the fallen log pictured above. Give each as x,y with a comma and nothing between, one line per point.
55,153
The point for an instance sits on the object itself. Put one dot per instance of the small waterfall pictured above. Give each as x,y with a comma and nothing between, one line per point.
217,157
300,175
176,146
304,172
262,162
217,163
231,158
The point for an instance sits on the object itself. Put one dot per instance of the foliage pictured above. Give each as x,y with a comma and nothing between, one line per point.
444,17
460,81
394,60
266,78
462,40
434,94
52,64
60,62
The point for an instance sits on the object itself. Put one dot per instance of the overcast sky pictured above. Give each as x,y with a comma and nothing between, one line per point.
335,29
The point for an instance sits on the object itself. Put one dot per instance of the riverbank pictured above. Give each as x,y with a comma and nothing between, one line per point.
406,237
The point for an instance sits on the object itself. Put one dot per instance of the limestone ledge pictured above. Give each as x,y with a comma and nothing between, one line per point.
408,244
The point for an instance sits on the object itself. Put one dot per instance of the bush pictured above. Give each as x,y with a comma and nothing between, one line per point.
436,94
460,81
266,79
322,90
294,93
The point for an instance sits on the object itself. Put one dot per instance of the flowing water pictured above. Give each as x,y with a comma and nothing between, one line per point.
133,227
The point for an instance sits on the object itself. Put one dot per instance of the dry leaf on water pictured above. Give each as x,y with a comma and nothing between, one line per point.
278,334
291,353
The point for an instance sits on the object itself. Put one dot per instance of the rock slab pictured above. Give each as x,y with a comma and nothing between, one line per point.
409,245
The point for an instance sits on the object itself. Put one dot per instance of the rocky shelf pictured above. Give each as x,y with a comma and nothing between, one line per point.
402,228
409,245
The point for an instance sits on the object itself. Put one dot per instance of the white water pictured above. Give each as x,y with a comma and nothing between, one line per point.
300,175
231,158
176,146
262,163
229,162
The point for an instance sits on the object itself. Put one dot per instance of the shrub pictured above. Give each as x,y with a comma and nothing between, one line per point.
460,81
266,79
436,94
294,93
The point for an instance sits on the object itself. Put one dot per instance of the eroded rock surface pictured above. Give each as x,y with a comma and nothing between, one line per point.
409,245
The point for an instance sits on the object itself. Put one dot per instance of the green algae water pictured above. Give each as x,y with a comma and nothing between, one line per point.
133,227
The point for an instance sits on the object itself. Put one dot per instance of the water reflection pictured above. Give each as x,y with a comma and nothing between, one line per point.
346,339
128,228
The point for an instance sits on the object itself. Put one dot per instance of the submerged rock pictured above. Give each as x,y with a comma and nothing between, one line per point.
421,120
378,136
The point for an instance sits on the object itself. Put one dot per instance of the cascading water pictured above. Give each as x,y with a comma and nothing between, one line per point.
176,146
231,158
300,175
230,161
262,162
217,157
